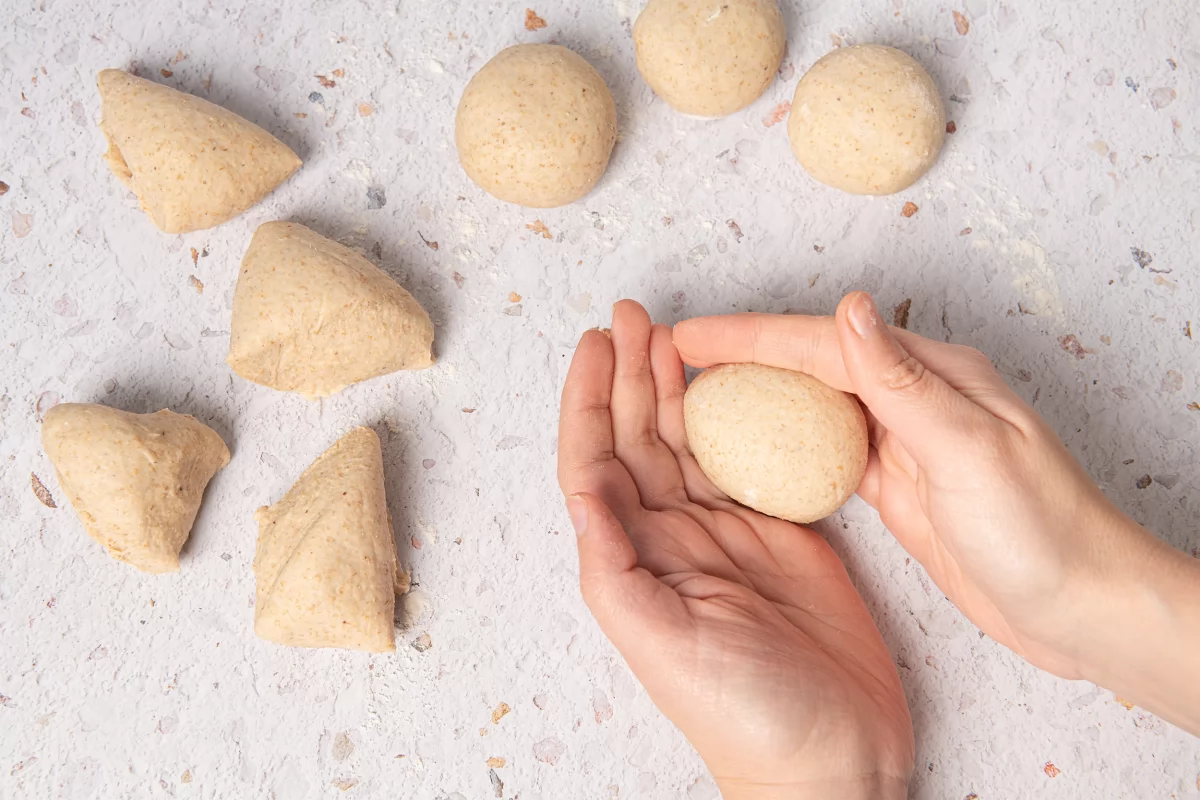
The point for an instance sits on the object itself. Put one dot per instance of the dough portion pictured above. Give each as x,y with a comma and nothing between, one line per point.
311,316
778,441
135,480
709,58
536,126
192,164
325,567
867,120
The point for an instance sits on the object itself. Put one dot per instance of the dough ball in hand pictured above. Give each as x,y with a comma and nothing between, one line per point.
325,569
192,164
536,126
867,120
778,441
709,58
135,480
312,316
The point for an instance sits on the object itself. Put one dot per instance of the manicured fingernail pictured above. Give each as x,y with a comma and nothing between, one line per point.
864,316
578,511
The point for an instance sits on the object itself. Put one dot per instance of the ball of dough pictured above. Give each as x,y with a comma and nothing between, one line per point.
536,126
778,441
867,120
709,58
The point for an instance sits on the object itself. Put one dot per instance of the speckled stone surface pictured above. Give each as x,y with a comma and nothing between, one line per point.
1058,233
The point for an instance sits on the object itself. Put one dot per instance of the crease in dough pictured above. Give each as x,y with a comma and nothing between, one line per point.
325,567
312,316
191,163
135,480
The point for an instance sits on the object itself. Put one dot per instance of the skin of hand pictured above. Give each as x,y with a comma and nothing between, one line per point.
745,630
979,489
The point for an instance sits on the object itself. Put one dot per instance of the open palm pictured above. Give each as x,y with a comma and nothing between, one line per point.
744,629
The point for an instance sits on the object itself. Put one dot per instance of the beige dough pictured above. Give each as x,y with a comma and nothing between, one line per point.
536,126
709,57
867,120
778,441
311,316
325,568
135,480
191,164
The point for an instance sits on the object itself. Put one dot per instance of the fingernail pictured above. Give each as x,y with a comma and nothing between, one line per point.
864,316
577,510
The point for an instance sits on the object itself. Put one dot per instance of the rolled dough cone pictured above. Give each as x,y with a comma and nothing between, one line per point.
311,316
867,120
709,58
135,480
536,126
192,164
325,568
778,441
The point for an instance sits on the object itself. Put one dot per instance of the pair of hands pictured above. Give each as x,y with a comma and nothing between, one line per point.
746,631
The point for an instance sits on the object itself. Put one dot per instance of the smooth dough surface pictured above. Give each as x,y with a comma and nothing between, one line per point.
312,316
325,568
709,58
867,120
778,441
192,164
536,126
135,480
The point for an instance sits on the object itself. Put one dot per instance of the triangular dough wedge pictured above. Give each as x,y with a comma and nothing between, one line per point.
135,480
325,568
311,316
192,164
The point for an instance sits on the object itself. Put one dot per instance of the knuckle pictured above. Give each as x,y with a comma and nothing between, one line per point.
908,375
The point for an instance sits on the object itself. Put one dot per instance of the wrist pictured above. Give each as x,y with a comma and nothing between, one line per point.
1141,640
863,787
1070,634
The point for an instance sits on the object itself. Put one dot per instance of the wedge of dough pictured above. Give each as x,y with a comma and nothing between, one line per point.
135,480
192,164
311,316
325,568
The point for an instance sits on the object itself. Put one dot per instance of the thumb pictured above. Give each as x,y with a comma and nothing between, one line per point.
928,416
618,593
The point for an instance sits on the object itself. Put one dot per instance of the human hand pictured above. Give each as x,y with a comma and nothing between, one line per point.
744,629
978,488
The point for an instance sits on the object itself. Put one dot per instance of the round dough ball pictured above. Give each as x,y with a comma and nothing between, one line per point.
867,120
536,126
709,58
778,441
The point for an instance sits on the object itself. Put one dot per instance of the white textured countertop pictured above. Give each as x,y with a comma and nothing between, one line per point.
1058,233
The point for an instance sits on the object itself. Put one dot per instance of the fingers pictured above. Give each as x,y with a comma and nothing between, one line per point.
803,344
670,386
930,418
586,459
634,412
869,487
810,345
629,603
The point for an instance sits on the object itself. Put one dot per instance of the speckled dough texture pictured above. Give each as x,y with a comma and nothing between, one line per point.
312,316
135,480
1075,163
191,163
778,441
536,126
709,58
867,119
325,567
